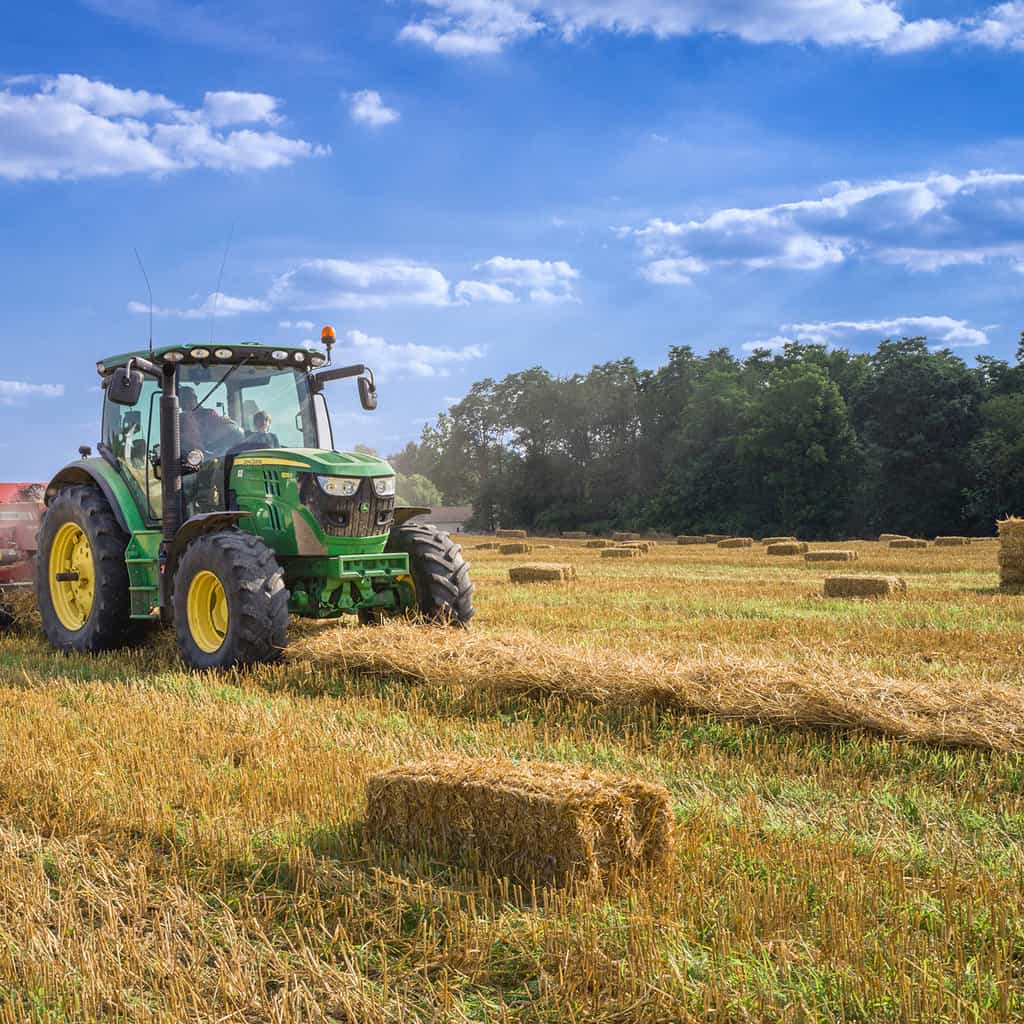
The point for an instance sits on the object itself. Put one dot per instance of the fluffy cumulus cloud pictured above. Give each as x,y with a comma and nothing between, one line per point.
396,359
367,107
508,280
217,304
925,225
12,392
296,325
472,27
373,284
1002,28
948,331
69,126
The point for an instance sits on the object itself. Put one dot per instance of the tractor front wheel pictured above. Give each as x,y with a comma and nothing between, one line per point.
230,602
440,575
81,575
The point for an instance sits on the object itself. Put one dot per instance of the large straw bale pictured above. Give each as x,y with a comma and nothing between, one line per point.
781,540
573,535
19,610
516,548
737,542
487,546
600,542
621,535
542,572
1011,553
642,545
864,586
952,542
689,538
531,822
908,543
715,538
511,534
787,547
830,556
621,551
884,538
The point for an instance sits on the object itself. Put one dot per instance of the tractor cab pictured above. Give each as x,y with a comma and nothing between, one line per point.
217,502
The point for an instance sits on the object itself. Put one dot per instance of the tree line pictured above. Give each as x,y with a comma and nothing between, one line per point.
816,441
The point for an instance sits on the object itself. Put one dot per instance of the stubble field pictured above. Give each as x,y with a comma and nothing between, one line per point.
847,778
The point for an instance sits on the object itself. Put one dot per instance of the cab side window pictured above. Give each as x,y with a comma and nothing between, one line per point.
132,433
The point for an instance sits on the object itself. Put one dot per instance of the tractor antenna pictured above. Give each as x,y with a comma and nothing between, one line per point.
220,278
150,290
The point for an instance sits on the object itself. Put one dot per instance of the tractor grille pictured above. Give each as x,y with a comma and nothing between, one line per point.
363,515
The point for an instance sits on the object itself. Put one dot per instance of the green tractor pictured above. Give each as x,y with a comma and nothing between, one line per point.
218,503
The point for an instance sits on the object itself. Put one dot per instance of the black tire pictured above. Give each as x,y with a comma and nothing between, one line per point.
440,574
109,624
257,600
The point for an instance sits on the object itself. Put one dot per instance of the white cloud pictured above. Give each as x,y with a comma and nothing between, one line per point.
463,28
367,107
68,127
224,108
374,284
952,333
545,281
1002,28
390,359
924,225
13,392
673,271
297,325
217,304
482,291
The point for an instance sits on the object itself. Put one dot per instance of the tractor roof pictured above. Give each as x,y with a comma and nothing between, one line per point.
254,352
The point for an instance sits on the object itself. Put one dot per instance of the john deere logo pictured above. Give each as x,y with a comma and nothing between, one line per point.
365,507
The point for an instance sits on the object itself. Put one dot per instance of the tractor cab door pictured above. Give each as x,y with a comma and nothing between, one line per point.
132,435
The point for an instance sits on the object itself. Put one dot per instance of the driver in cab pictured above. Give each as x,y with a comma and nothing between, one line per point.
204,428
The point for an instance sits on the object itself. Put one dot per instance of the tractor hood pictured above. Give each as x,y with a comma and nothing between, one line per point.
315,460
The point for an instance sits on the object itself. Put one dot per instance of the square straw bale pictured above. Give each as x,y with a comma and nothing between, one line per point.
864,586
787,547
830,556
1011,553
737,542
781,540
624,535
573,535
532,822
884,538
511,534
516,548
908,543
689,538
542,572
714,538
600,542
952,542
621,552
487,546
642,545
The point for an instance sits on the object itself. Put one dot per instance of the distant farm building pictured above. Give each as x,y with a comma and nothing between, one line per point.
451,518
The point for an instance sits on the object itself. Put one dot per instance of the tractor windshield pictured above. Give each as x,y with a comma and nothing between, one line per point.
252,406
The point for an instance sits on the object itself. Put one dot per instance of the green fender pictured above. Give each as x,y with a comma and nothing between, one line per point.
99,473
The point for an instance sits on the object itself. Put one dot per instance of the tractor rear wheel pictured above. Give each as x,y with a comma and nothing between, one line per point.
81,574
230,602
440,575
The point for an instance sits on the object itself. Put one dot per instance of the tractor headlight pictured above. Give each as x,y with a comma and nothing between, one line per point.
384,486
339,486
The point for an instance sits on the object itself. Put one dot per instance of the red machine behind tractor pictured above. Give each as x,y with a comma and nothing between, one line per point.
21,506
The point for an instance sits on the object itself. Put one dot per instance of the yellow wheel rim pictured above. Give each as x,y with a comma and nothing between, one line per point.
207,612
72,577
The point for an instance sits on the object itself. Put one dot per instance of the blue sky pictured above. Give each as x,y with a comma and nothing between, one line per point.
466,188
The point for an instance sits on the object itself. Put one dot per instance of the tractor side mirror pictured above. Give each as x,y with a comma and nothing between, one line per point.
367,393
125,386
